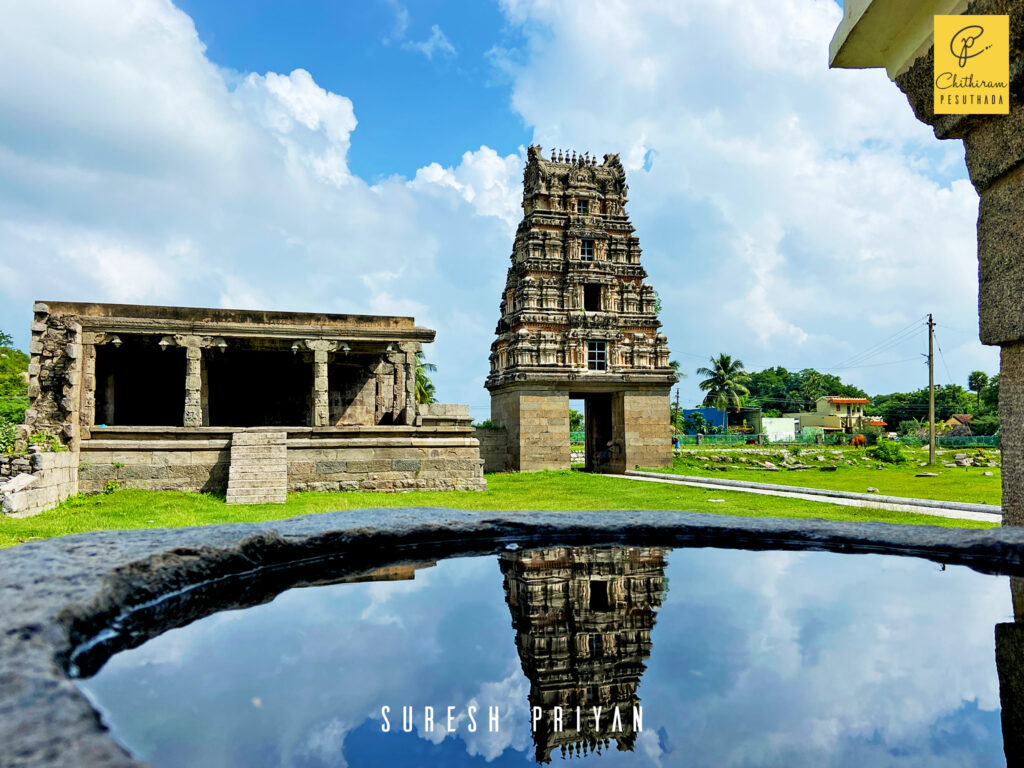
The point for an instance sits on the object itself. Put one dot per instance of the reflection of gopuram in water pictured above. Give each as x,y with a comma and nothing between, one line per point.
583,618
1010,668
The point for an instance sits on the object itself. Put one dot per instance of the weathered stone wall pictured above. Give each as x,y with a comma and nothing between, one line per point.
52,477
353,394
15,465
493,448
448,465
54,374
648,430
384,464
136,465
537,422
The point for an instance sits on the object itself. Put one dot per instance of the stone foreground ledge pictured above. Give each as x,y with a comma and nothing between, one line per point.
55,594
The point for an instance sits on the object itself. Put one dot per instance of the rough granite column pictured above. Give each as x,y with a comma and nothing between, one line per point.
193,384
994,147
320,348
196,405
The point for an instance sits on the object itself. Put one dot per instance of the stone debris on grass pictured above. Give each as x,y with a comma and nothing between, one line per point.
872,489
926,474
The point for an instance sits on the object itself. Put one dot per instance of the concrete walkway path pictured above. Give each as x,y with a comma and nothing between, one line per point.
960,510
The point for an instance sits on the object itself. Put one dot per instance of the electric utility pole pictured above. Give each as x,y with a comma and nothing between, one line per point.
931,390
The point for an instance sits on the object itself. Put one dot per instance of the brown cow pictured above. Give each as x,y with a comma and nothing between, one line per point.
858,441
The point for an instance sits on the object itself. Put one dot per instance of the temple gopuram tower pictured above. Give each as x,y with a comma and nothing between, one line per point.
578,321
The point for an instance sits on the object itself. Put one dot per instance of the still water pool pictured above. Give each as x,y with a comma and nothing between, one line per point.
710,657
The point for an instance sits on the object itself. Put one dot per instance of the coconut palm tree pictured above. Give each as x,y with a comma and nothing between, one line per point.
724,382
977,381
424,386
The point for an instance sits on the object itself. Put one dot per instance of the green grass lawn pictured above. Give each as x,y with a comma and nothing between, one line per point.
565,491
967,484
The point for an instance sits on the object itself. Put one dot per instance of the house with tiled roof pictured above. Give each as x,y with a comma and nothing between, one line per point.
959,424
837,414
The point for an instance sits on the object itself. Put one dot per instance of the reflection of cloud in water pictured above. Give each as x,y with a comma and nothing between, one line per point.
510,696
324,746
383,593
838,654
758,659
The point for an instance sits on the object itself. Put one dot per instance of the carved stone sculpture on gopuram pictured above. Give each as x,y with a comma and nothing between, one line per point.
579,320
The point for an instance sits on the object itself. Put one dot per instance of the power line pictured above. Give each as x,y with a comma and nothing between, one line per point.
876,347
876,365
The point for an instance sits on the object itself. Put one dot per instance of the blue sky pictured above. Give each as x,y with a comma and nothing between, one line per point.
367,158
411,110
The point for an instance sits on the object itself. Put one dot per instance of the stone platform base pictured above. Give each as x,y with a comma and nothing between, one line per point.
327,459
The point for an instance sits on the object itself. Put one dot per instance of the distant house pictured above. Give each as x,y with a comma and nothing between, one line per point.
779,430
958,420
836,414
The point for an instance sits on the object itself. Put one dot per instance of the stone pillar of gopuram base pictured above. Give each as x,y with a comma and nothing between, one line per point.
536,419
897,35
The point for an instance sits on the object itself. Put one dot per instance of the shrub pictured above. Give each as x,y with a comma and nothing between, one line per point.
51,443
695,424
871,432
909,427
8,435
13,408
890,452
111,486
985,425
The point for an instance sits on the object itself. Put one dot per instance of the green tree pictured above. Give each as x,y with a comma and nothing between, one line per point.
790,391
977,381
985,425
424,386
724,382
904,406
13,381
909,427
990,396
575,420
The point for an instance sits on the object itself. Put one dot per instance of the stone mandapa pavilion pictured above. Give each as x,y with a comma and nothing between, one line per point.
578,321
252,402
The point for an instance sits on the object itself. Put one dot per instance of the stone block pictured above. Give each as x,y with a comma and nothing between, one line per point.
332,467
19,483
378,465
406,465
143,472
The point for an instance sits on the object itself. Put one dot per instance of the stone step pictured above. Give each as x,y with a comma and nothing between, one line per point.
258,473
236,473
